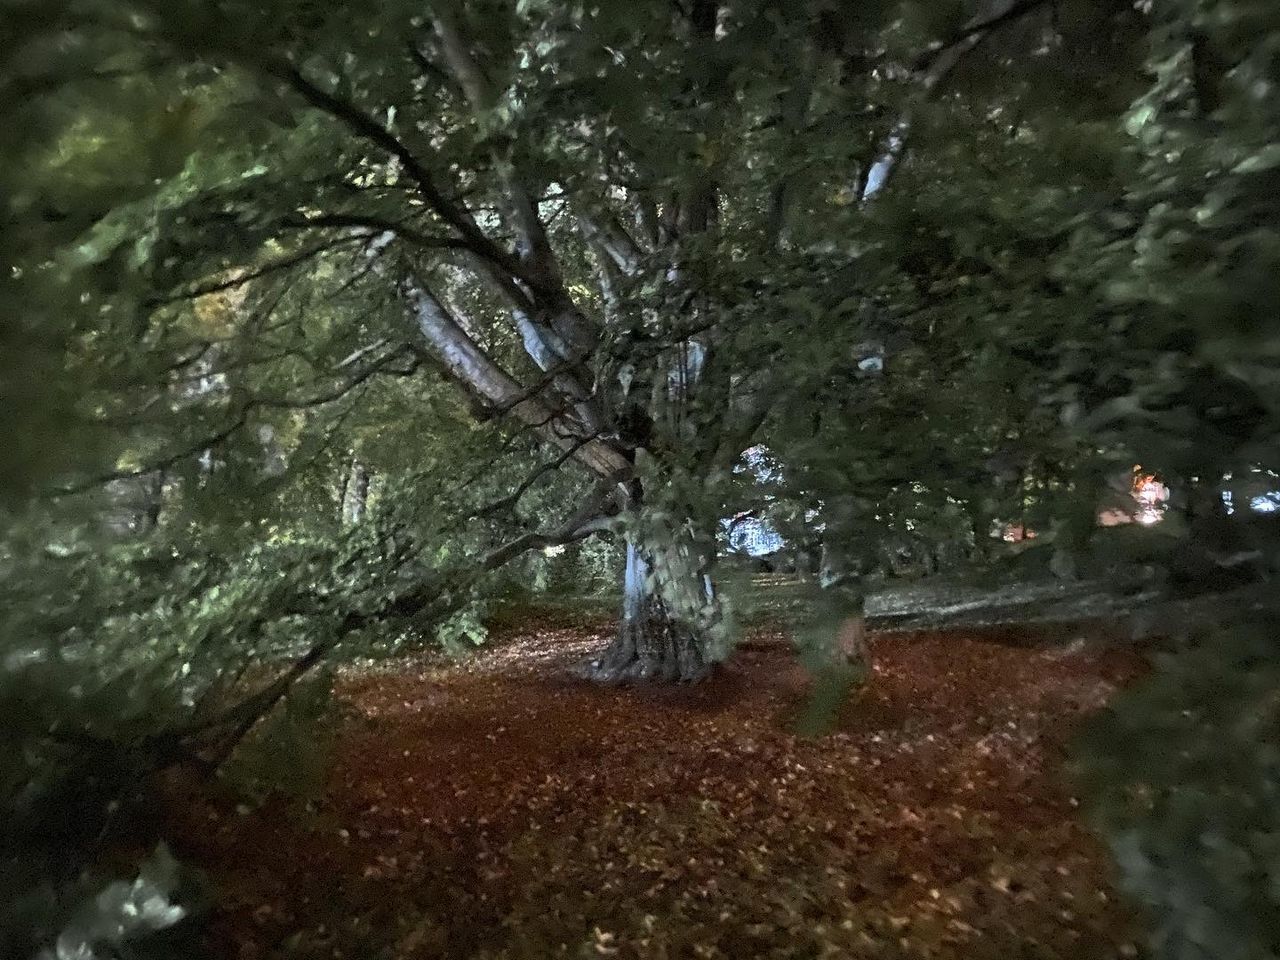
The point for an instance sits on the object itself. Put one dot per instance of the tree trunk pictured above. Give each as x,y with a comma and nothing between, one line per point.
355,493
154,502
841,607
135,504
673,625
850,648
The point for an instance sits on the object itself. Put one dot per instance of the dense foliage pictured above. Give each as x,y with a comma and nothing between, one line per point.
324,323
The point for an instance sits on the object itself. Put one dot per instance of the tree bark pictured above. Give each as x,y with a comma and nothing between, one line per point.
673,626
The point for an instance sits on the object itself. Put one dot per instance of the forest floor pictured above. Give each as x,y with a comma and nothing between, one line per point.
499,808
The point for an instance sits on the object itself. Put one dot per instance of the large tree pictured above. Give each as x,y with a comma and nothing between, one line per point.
466,280
625,229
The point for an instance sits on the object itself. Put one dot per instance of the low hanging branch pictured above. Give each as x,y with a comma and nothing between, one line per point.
257,273
228,729
241,419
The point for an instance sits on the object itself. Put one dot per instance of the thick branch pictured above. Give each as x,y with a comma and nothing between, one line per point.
370,129
593,517
932,68
403,230
610,236
469,365
480,92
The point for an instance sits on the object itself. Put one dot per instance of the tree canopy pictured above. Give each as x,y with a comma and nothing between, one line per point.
322,319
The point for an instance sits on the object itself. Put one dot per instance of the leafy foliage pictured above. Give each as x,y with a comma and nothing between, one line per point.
327,320
1183,772
99,918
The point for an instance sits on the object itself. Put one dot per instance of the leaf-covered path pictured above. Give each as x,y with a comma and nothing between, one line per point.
500,808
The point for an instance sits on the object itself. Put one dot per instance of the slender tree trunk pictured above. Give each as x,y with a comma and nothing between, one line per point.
356,493
154,501
344,481
980,525
674,626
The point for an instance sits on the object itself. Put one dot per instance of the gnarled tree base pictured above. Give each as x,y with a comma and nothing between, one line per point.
654,643
651,649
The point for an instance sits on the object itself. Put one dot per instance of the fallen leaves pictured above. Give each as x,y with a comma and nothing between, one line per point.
499,810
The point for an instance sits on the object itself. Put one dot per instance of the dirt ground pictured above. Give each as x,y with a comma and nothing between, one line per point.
499,808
